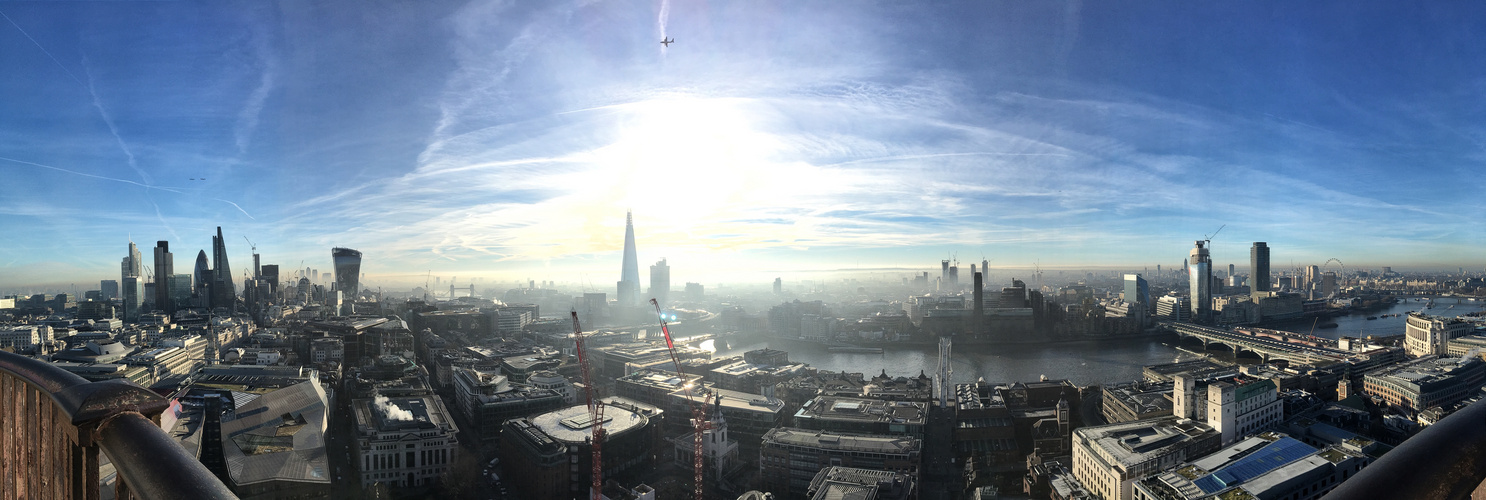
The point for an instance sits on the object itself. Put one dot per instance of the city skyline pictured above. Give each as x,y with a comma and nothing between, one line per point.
506,141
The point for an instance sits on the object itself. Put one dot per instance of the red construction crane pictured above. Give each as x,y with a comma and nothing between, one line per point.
699,421
595,412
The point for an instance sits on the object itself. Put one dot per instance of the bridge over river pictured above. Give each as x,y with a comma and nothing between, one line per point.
1267,344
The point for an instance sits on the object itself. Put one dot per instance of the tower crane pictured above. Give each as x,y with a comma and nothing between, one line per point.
427,282
699,421
595,413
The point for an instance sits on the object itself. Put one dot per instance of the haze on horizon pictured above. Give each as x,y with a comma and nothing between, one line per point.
507,139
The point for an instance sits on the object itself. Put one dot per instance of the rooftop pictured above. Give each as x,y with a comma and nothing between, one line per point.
1131,443
1424,370
572,424
279,436
844,441
864,410
396,414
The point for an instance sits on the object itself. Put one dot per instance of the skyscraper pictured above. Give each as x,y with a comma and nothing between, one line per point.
179,286
1201,282
109,289
660,281
203,277
132,264
348,274
1259,267
224,293
778,286
629,272
130,272
1137,291
163,269
943,274
133,294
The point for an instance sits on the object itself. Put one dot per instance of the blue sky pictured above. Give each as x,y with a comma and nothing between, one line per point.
507,139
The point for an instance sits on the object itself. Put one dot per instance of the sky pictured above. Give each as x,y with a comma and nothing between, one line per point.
506,140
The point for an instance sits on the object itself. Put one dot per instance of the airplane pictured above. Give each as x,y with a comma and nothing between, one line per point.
667,42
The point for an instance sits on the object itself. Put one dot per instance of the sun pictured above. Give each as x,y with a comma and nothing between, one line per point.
700,174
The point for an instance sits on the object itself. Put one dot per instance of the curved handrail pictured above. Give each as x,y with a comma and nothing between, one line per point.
116,416
1445,461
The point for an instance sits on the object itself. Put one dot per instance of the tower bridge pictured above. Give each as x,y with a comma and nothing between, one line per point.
1268,344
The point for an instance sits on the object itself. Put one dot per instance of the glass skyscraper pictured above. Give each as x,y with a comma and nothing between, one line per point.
1137,290
1201,283
1259,267
629,272
347,275
660,281
163,269
224,292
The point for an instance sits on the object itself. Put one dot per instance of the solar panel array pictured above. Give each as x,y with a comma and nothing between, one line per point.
1258,463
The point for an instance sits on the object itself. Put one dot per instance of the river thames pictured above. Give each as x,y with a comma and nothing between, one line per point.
1085,363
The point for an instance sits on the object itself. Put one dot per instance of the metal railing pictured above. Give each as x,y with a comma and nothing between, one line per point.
1445,461
53,423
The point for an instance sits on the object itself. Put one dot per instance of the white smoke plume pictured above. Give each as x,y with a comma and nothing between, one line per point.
389,410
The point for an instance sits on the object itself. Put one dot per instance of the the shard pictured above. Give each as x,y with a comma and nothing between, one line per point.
629,274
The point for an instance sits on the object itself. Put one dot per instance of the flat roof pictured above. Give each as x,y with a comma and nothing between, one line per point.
1424,370
1131,443
864,410
621,415
844,441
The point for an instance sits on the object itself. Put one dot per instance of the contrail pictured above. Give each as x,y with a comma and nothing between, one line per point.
43,49
240,209
108,120
84,174
97,103
665,16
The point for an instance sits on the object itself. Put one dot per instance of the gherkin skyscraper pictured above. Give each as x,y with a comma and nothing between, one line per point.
629,274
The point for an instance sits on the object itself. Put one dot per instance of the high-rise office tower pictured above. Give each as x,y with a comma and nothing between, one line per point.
109,289
978,309
778,286
203,277
224,293
629,272
985,268
271,276
1259,267
1137,291
133,295
660,281
180,290
132,264
1201,283
164,267
348,275
943,274
1231,269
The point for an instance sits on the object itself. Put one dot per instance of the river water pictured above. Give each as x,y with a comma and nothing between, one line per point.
1089,362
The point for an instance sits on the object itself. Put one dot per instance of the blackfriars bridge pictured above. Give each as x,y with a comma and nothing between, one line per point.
1267,344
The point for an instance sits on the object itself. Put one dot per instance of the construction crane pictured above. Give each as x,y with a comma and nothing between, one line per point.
427,282
699,421
595,413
